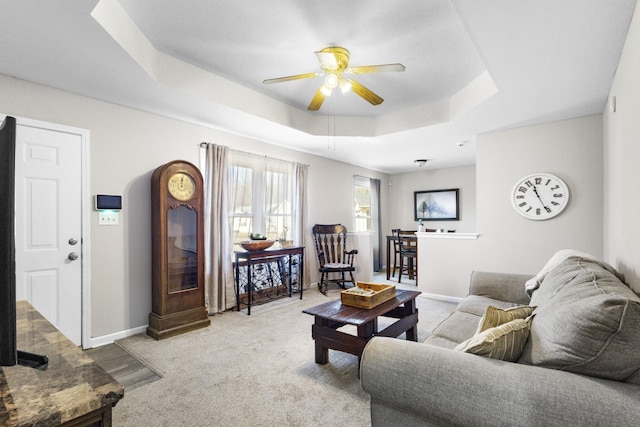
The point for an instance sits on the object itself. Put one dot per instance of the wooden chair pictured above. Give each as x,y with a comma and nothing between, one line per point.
333,258
408,244
396,251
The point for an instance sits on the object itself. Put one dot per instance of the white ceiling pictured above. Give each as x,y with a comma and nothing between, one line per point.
471,66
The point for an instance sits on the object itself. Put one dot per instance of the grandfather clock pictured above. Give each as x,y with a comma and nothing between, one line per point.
177,251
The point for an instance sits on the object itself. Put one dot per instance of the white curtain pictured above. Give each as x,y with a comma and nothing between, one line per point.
376,224
300,225
219,286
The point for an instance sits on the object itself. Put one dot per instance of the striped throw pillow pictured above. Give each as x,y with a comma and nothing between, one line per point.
494,316
503,342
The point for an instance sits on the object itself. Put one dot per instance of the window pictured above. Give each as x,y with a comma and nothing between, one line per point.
366,202
260,195
362,203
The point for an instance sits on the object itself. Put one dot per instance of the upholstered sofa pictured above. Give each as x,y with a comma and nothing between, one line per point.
578,365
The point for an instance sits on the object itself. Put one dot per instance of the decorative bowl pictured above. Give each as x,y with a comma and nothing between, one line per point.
257,245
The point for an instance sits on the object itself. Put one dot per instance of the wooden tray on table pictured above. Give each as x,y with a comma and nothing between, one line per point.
367,295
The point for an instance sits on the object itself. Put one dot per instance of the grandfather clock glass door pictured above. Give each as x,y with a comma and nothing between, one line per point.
182,251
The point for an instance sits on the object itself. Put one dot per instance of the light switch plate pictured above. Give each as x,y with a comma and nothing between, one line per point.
108,218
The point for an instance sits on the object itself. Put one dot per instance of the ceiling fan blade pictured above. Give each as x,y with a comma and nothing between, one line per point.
375,68
317,100
369,96
328,60
289,78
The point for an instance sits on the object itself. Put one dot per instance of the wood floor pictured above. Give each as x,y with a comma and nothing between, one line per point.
126,369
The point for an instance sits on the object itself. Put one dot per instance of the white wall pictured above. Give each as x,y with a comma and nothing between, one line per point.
622,169
571,149
507,242
126,146
401,201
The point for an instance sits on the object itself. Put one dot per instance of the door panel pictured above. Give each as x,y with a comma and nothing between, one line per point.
48,215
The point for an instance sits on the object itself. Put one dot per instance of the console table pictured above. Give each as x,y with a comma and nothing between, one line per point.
72,391
269,274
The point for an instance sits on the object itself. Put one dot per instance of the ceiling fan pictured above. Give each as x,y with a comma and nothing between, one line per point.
334,61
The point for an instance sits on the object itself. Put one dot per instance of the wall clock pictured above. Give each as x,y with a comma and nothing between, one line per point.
540,196
177,293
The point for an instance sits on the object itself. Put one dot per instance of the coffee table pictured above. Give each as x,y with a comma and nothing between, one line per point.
333,314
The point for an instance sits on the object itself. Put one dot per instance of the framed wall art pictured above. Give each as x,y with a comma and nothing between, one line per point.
436,205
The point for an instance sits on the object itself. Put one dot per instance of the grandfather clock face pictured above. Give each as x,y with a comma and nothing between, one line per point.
181,186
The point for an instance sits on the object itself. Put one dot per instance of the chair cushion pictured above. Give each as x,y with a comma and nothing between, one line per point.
503,342
336,265
586,322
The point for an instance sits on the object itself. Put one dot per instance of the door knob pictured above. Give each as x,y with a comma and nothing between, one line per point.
73,241
73,256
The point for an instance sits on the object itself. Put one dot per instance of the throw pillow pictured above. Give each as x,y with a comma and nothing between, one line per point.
503,342
494,316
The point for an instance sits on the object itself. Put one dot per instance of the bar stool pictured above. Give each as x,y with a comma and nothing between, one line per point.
408,245
396,251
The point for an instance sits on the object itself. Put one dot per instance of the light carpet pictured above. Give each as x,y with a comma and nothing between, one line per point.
256,370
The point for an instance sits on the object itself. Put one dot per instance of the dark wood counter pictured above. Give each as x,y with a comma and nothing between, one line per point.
73,390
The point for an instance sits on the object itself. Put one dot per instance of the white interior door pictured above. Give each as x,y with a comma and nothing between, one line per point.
49,225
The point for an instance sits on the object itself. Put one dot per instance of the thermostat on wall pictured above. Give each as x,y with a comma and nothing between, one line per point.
107,202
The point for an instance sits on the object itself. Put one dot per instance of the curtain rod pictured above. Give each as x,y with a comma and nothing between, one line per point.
204,144
365,177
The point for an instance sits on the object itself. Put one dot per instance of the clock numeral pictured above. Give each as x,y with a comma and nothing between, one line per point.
540,196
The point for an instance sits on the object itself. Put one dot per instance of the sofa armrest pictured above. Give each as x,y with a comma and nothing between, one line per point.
446,387
501,286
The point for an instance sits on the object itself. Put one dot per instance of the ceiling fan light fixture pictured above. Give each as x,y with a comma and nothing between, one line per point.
331,80
345,85
326,90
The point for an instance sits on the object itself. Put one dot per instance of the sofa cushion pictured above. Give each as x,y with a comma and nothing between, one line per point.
560,256
463,322
475,304
494,316
586,321
458,327
503,342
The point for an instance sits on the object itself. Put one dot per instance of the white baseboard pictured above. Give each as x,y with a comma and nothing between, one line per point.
439,297
108,339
